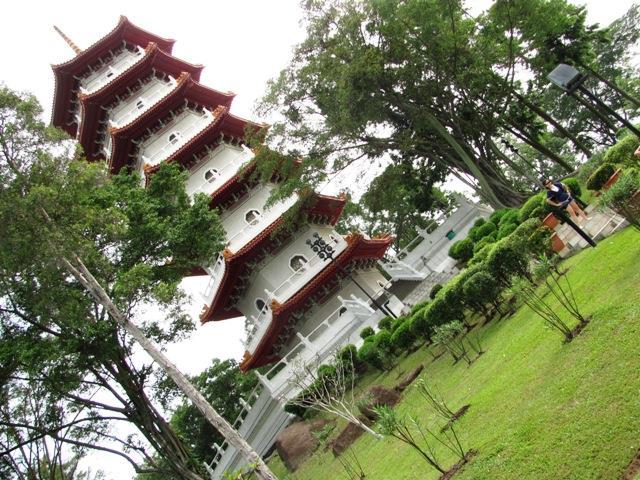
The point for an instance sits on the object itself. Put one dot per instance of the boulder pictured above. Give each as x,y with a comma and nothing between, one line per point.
377,396
408,379
296,442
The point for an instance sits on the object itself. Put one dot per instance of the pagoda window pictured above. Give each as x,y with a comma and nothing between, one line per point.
298,262
260,305
174,137
252,217
140,104
211,174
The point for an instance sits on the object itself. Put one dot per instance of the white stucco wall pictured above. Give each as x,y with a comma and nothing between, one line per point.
110,70
225,159
142,100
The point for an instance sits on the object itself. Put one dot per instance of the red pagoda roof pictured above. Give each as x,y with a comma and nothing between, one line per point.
187,89
359,249
238,263
64,73
153,59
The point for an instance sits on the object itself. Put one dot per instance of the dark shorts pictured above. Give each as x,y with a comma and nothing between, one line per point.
566,203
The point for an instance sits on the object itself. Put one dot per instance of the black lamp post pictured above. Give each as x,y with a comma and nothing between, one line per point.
571,81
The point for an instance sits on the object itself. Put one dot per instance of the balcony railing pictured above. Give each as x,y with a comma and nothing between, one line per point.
125,116
224,173
197,125
215,276
100,77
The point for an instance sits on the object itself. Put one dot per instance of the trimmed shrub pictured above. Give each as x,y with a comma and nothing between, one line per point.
505,230
481,288
497,215
419,306
326,371
349,353
419,325
479,222
618,196
508,258
370,354
512,215
481,255
574,186
386,323
462,250
403,337
484,231
598,178
528,209
483,242
434,290
367,332
622,152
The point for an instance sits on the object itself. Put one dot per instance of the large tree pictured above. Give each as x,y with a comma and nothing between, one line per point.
82,255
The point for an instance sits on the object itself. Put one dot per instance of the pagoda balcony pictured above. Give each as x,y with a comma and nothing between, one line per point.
203,178
169,139
109,71
148,95
241,237
216,272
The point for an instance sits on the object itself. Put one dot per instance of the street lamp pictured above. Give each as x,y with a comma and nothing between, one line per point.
571,81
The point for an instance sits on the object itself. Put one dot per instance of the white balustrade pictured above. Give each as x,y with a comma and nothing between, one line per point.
198,124
215,276
225,172
111,70
149,95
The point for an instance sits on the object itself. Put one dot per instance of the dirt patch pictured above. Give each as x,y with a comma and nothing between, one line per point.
408,380
346,438
578,328
633,469
377,396
296,442
455,417
458,466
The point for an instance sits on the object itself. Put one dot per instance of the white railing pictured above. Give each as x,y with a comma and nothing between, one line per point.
100,77
185,135
224,173
123,117
246,233
260,326
215,275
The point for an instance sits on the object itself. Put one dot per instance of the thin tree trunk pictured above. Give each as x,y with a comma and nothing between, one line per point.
603,118
86,279
514,129
611,85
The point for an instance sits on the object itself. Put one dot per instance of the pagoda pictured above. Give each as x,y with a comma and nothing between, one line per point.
303,293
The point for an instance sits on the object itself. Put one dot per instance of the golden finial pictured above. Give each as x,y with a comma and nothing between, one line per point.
74,47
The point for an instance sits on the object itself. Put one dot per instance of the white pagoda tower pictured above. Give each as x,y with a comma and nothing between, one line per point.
303,294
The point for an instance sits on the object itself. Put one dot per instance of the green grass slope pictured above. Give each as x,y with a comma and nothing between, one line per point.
540,409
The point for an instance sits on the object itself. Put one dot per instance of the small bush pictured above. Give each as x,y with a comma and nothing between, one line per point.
370,354
419,306
535,238
402,337
483,242
481,288
367,332
619,195
434,290
574,186
622,152
386,323
512,215
382,340
479,222
587,168
295,409
497,215
326,371
528,209
508,258
419,325
480,256
484,231
598,178
349,353
462,250
505,230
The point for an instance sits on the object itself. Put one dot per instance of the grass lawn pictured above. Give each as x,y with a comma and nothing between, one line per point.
540,409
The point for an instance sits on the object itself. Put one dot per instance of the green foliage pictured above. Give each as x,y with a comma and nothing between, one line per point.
403,336
508,259
483,231
619,196
367,332
483,242
505,230
462,250
481,255
434,290
574,186
370,354
349,354
382,340
421,305
600,176
511,215
530,207
481,288
622,153
386,323
479,222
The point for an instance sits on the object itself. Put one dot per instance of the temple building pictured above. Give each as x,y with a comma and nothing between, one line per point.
302,292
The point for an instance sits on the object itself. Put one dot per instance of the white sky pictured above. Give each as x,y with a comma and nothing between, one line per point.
242,43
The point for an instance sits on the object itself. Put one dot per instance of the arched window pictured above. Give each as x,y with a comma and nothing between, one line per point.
381,284
342,311
210,175
140,104
260,304
252,217
297,262
174,137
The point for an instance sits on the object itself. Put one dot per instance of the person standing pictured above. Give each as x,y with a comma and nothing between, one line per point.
559,195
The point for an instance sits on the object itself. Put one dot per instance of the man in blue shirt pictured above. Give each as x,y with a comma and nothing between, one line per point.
559,195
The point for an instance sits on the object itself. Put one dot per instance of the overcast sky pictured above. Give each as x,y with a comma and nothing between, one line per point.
242,43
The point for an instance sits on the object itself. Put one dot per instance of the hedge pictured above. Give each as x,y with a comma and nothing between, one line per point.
434,290
462,250
598,178
529,208
367,332
574,186
403,337
505,230
622,152
484,231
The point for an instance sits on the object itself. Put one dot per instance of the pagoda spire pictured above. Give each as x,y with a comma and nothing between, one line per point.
69,42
